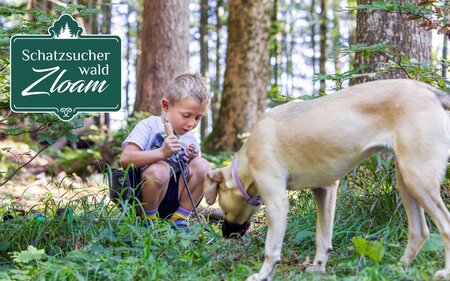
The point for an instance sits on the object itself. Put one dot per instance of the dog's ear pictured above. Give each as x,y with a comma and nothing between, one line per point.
210,188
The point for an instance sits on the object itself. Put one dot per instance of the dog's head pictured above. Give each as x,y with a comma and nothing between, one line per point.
237,212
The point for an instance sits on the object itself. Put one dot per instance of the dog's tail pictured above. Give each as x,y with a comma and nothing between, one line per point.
443,97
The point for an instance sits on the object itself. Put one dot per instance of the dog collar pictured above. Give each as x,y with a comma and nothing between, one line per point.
254,201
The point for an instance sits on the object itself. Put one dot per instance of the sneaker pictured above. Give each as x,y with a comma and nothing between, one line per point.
181,225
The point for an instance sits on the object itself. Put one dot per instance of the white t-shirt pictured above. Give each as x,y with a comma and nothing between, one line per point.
144,133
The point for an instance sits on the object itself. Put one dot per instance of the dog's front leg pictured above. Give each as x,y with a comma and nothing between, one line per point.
326,203
277,206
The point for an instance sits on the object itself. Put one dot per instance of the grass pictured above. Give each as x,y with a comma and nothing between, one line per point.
101,242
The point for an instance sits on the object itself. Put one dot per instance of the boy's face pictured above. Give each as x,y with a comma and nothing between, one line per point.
184,115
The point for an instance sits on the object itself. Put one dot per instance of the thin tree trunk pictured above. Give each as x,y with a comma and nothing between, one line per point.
336,35
274,61
284,46
313,41
139,23
204,60
323,41
127,58
215,104
444,56
106,29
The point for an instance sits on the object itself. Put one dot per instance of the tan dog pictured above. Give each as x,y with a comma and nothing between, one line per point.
311,144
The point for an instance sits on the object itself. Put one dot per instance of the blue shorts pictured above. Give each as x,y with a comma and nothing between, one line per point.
170,202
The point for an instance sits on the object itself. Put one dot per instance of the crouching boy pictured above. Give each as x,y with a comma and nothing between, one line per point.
149,148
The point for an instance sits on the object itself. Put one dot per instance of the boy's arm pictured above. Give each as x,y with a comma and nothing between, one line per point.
132,153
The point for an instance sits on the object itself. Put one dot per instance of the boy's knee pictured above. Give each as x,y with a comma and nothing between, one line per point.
159,172
199,166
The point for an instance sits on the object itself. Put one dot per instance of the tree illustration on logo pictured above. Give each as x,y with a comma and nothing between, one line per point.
65,28
65,33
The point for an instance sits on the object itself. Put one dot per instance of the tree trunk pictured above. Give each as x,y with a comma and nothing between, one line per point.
274,50
336,36
313,42
215,103
44,5
444,56
90,23
394,29
204,60
246,75
106,20
106,29
137,63
323,42
128,60
164,50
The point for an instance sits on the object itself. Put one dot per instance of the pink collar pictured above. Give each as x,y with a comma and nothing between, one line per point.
255,201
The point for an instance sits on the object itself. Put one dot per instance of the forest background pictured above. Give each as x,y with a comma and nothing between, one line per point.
254,55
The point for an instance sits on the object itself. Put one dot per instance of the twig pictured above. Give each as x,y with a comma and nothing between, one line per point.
32,158
397,63
2,134
4,67
6,116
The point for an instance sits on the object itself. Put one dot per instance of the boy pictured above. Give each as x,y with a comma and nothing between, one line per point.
153,152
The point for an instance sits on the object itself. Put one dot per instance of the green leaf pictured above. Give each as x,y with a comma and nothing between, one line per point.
372,249
434,243
301,235
47,138
29,255
4,245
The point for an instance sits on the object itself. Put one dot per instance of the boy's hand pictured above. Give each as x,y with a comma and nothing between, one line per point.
170,146
190,152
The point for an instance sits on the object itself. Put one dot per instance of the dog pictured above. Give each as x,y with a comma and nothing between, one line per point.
311,144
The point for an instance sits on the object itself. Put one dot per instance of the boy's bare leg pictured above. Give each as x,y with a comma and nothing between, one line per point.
198,168
155,182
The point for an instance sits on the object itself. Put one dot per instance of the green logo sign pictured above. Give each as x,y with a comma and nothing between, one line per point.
65,72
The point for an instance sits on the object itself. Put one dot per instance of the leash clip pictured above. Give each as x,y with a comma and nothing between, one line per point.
255,201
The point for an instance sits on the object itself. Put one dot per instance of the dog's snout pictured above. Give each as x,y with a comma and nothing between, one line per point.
230,230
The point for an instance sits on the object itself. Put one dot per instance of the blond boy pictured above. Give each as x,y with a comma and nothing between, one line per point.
153,152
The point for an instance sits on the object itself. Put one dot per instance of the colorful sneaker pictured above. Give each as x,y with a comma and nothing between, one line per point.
181,225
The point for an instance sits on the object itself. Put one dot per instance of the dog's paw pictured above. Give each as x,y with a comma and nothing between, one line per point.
257,277
253,277
443,274
315,269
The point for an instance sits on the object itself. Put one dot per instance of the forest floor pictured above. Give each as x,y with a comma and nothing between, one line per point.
100,241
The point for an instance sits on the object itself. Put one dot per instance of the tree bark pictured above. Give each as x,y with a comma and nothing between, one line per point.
204,60
246,75
90,23
164,50
313,42
128,60
106,29
323,41
394,29
336,35
274,56
215,103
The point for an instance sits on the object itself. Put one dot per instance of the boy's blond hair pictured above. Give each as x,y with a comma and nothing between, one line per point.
187,85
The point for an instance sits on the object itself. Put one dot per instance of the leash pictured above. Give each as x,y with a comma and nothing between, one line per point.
169,132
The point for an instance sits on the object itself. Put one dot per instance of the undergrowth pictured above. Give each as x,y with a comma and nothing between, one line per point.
87,239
